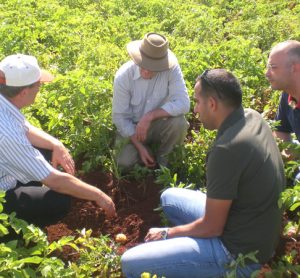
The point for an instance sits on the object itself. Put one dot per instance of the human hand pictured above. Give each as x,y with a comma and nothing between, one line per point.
156,234
105,202
142,128
62,157
287,155
146,157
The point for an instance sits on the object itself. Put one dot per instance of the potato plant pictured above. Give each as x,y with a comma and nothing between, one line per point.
83,43
29,254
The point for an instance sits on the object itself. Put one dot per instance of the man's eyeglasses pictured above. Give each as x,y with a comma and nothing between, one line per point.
275,66
271,66
205,78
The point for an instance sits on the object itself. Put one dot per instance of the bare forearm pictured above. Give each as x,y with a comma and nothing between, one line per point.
68,184
195,229
144,123
41,139
138,145
144,154
60,154
156,114
287,153
210,225
286,137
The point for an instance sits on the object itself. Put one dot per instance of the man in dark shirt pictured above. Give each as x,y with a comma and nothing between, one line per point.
283,73
239,212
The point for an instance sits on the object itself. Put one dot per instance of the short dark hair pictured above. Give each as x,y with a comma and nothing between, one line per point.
221,84
12,91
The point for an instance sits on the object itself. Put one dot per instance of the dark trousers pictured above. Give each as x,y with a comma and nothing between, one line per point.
36,203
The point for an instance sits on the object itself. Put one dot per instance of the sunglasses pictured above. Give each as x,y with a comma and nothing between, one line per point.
205,78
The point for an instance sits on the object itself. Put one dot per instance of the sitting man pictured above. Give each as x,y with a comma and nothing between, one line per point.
238,214
149,103
23,169
283,73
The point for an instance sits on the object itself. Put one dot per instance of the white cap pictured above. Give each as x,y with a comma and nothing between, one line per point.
22,70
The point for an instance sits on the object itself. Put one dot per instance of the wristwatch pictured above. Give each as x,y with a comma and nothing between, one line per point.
164,233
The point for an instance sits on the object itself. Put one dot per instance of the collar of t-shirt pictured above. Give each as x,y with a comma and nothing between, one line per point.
293,103
235,116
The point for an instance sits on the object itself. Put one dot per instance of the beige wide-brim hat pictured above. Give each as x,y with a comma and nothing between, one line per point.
152,53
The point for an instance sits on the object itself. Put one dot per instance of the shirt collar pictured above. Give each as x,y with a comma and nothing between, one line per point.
293,103
235,116
6,104
137,73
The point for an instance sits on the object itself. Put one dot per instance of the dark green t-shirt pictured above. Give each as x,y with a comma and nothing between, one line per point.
244,165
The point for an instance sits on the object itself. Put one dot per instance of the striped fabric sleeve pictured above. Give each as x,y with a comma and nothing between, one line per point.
23,161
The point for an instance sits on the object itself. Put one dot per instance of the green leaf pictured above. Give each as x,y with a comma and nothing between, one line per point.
3,230
3,216
29,260
294,206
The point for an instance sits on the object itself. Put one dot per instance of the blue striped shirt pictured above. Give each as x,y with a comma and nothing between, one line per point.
19,160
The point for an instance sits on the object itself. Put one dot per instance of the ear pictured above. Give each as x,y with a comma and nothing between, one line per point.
213,103
21,95
24,92
296,67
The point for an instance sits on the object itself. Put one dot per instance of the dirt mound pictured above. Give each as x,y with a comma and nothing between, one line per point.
136,202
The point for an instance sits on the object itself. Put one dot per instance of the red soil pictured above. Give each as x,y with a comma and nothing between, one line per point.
135,202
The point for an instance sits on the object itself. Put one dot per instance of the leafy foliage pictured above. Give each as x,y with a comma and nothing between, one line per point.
241,261
285,267
83,43
29,254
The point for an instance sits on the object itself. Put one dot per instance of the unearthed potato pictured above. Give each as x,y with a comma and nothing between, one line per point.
121,238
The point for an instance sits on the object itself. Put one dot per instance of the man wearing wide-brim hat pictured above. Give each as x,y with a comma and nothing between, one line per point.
149,103
29,156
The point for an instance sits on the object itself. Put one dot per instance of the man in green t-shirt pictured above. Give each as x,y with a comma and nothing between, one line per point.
239,213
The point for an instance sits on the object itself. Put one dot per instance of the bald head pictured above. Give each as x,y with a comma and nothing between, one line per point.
290,49
283,69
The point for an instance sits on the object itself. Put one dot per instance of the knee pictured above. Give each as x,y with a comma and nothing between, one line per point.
179,124
124,163
65,204
62,204
126,264
167,195
127,156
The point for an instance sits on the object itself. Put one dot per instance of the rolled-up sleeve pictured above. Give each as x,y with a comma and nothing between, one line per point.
178,100
134,96
121,110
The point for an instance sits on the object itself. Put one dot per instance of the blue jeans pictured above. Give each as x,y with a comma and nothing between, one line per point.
182,256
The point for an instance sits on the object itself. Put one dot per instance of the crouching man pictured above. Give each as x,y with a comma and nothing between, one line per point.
23,168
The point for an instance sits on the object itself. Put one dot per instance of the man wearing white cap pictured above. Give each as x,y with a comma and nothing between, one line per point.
149,103
23,169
